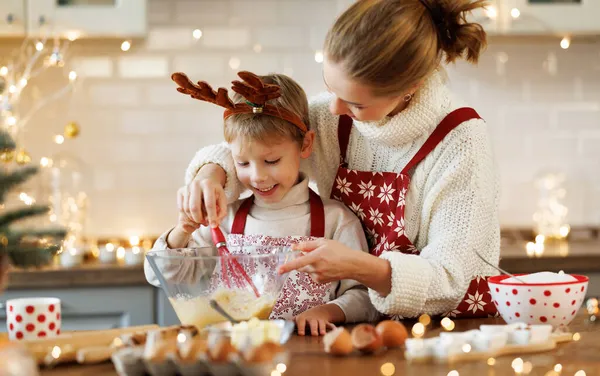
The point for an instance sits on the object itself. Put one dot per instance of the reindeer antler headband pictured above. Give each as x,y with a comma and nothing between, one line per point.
255,92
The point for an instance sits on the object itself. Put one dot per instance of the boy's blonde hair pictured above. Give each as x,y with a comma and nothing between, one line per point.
265,128
393,45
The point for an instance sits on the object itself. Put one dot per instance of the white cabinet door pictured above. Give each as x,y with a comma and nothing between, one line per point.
88,18
554,16
12,18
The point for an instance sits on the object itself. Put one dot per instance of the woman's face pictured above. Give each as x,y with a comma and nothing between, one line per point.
355,99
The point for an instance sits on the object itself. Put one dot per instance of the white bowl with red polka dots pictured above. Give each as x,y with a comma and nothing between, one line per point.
538,303
32,318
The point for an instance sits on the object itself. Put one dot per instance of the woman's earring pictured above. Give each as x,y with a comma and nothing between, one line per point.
408,97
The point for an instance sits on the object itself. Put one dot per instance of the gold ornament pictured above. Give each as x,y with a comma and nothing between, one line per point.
23,157
7,156
71,130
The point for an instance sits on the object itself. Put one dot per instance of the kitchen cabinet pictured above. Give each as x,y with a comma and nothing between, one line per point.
13,19
549,17
96,307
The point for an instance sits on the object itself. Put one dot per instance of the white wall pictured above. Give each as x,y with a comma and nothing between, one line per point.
138,133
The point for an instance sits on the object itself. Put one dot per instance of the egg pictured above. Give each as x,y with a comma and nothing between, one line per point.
393,333
221,350
262,353
366,339
192,348
338,342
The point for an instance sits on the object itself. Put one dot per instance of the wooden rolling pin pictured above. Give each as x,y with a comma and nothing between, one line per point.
71,342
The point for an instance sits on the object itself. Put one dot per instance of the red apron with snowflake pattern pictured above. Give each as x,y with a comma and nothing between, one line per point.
299,292
378,199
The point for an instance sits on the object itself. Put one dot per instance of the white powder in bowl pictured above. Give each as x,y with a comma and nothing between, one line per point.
542,277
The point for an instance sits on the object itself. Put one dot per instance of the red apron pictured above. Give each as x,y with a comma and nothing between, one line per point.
299,292
378,199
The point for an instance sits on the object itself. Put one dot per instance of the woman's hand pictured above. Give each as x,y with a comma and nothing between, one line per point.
330,261
319,319
203,200
326,260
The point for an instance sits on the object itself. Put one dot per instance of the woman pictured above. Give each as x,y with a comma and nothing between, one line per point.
402,152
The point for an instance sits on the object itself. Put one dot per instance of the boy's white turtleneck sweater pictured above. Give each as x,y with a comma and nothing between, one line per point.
452,202
288,217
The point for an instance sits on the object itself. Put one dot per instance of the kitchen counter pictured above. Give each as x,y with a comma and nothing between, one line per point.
574,257
85,275
307,357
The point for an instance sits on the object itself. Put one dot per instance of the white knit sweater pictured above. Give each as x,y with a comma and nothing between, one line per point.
452,202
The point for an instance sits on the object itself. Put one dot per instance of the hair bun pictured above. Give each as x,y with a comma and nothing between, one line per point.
457,36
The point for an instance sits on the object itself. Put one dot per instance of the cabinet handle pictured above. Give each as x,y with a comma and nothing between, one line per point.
10,18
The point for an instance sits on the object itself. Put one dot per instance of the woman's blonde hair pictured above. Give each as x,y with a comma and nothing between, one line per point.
264,128
393,45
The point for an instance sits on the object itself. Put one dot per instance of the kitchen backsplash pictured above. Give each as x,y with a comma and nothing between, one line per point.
542,104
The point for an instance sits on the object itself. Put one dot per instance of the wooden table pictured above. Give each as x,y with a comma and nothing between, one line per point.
309,359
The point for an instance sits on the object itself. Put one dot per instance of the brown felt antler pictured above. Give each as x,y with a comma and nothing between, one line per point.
202,91
252,88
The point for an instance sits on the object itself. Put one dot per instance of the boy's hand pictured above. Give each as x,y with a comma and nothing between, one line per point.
319,319
203,200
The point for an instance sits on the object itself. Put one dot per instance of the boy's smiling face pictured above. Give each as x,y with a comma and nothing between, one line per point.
270,169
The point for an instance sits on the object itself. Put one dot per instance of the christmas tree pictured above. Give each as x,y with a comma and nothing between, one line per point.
24,247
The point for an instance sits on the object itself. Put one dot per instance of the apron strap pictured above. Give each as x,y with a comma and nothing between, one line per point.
317,215
344,129
239,221
451,121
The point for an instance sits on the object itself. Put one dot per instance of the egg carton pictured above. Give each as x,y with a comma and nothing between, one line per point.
488,341
131,362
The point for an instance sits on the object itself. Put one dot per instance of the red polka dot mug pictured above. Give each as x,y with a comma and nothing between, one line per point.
31,318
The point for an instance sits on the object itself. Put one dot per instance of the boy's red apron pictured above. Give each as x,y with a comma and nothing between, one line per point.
300,292
378,199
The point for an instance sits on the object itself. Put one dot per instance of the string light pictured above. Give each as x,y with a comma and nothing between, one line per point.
120,253
388,369
134,240
181,337
453,373
73,35
466,348
11,120
23,82
576,337
491,12
527,367
197,34
3,71
565,43
39,46
257,48
125,46
447,324
425,319
418,330
515,13
319,56
275,373
580,373
59,139
234,63
12,89
281,368
558,367
72,75
491,361
517,365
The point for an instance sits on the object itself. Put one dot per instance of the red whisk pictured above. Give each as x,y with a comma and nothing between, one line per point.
238,273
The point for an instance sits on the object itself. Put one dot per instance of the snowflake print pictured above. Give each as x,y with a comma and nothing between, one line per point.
372,236
358,211
376,217
391,219
400,227
366,189
385,193
452,313
411,249
402,197
387,247
343,185
475,302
